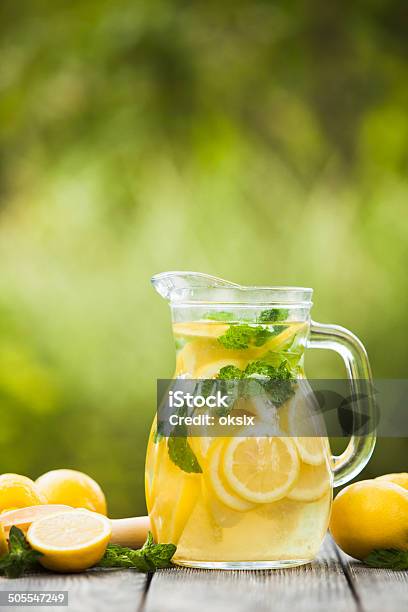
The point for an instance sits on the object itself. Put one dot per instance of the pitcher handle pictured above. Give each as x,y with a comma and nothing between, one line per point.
348,346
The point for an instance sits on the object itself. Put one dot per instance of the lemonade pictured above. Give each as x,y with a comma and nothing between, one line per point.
257,493
238,501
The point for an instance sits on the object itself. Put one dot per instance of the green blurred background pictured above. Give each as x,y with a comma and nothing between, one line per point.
260,141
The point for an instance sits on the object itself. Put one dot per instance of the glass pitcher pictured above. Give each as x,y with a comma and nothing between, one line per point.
257,502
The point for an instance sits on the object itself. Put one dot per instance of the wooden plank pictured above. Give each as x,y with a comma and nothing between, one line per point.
95,590
377,590
319,586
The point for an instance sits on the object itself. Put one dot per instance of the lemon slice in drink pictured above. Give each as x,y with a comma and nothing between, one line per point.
220,514
172,510
312,450
283,339
154,457
300,415
197,329
211,369
204,358
200,445
216,483
312,484
172,497
261,469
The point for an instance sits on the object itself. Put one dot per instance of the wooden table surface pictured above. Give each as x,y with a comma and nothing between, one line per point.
332,583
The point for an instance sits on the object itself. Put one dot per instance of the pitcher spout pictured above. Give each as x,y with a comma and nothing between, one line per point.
169,284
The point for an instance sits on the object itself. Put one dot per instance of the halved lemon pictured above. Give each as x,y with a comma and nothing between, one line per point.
261,469
70,541
23,517
313,482
216,482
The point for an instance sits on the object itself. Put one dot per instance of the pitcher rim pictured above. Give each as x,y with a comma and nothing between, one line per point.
227,291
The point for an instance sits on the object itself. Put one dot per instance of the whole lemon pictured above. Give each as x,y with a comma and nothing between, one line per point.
72,488
17,491
400,479
370,514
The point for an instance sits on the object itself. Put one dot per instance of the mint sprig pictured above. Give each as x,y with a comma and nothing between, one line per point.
389,558
259,367
147,559
180,452
272,315
278,382
230,372
241,336
20,558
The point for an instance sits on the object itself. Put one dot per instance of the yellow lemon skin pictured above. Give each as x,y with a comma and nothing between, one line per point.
72,488
369,515
3,542
18,491
71,541
400,479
